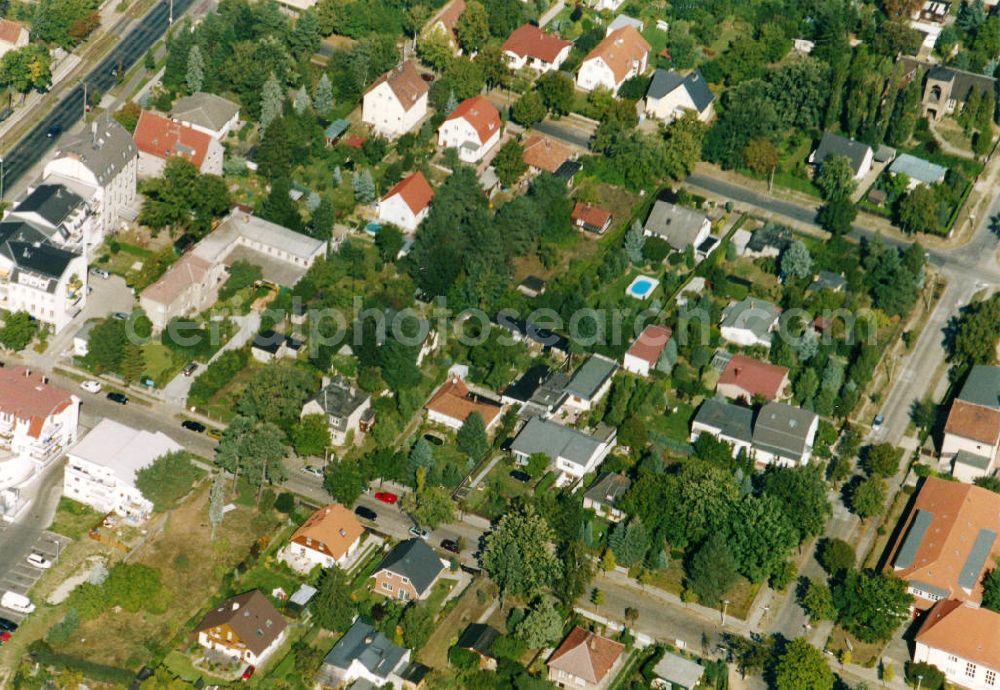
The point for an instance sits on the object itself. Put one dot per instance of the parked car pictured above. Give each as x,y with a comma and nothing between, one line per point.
7,625
419,532
521,476
4,637
386,497
54,131
91,386
120,315
248,673
215,433
39,561
16,602
119,398
313,470
450,545
101,273
366,513
191,425
878,422
190,368
432,438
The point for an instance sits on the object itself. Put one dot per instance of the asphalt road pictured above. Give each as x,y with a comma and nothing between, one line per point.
68,112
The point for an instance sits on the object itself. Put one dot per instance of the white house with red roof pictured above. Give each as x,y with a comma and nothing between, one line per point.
13,36
38,422
408,203
972,433
453,402
397,101
473,128
621,55
645,352
529,46
747,378
963,641
159,138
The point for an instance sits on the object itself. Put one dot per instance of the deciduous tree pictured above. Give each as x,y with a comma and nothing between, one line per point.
802,666
517,554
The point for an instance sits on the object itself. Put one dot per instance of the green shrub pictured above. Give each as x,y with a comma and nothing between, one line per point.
933,677
463,659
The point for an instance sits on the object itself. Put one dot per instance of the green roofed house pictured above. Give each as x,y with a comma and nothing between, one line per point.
674,672
335,131
573,452
590,383
917,170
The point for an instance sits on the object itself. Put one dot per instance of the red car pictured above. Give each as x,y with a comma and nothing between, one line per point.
386,497
248,673
4,637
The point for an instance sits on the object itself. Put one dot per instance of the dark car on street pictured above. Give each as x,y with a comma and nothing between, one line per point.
194,426
119,398
7,625
520,476
366,513
450,545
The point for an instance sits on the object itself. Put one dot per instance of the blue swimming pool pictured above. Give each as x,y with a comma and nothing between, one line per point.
373,228
642,287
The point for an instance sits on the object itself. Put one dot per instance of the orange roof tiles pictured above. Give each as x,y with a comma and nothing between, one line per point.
10,31
530,41
957,514
620,49
405,82
970,633
650,344
754,376
332,530
481,114
161,137
586,655
974,422
590,215
544,153
453,399
27,396
415,190
186,271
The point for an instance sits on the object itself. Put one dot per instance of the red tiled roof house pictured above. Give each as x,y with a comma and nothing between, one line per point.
585,660
972,433
396,102
745,377
529,46
543,154
473,128
408,203
621,55
591,218
963,642
645,353
13,36
330,537
159,138
454,402
38,422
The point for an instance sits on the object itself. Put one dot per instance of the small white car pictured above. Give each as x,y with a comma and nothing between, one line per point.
419,533
39,561
91,386
313,470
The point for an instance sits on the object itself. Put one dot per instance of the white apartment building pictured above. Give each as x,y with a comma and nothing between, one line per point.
963,641
102,467
38,420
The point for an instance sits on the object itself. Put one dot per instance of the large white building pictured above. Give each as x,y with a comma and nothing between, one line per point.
473,128
62,215
102,467
38,422
100,164
621,55
39,277
396,102
963,641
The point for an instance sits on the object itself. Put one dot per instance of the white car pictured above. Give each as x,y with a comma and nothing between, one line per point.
91,386
16,602
39,561
313,470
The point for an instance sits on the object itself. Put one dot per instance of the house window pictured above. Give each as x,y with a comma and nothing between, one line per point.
952,659
970,669
386,586
991,677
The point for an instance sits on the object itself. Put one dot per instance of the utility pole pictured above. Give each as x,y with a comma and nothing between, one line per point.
725,605
85,101
170,20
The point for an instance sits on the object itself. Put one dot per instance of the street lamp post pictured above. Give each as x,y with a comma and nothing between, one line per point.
170,21
920,679
725,605
1,178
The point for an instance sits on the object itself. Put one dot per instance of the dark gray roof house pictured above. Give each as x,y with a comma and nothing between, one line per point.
53,203
665,82
784,431
105,148
608,489
550,394
367,647
414,560
732,421
835,145
678,673
592,375
520,392
338,400
828,280
479,638
557,442
982,387
680,226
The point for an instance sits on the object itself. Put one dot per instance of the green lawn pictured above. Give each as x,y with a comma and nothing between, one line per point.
441,589
162,364
73,519
675,425
180,665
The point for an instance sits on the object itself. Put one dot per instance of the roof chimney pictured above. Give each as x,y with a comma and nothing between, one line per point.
236,605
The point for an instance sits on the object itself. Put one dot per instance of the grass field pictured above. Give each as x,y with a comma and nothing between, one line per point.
73,519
